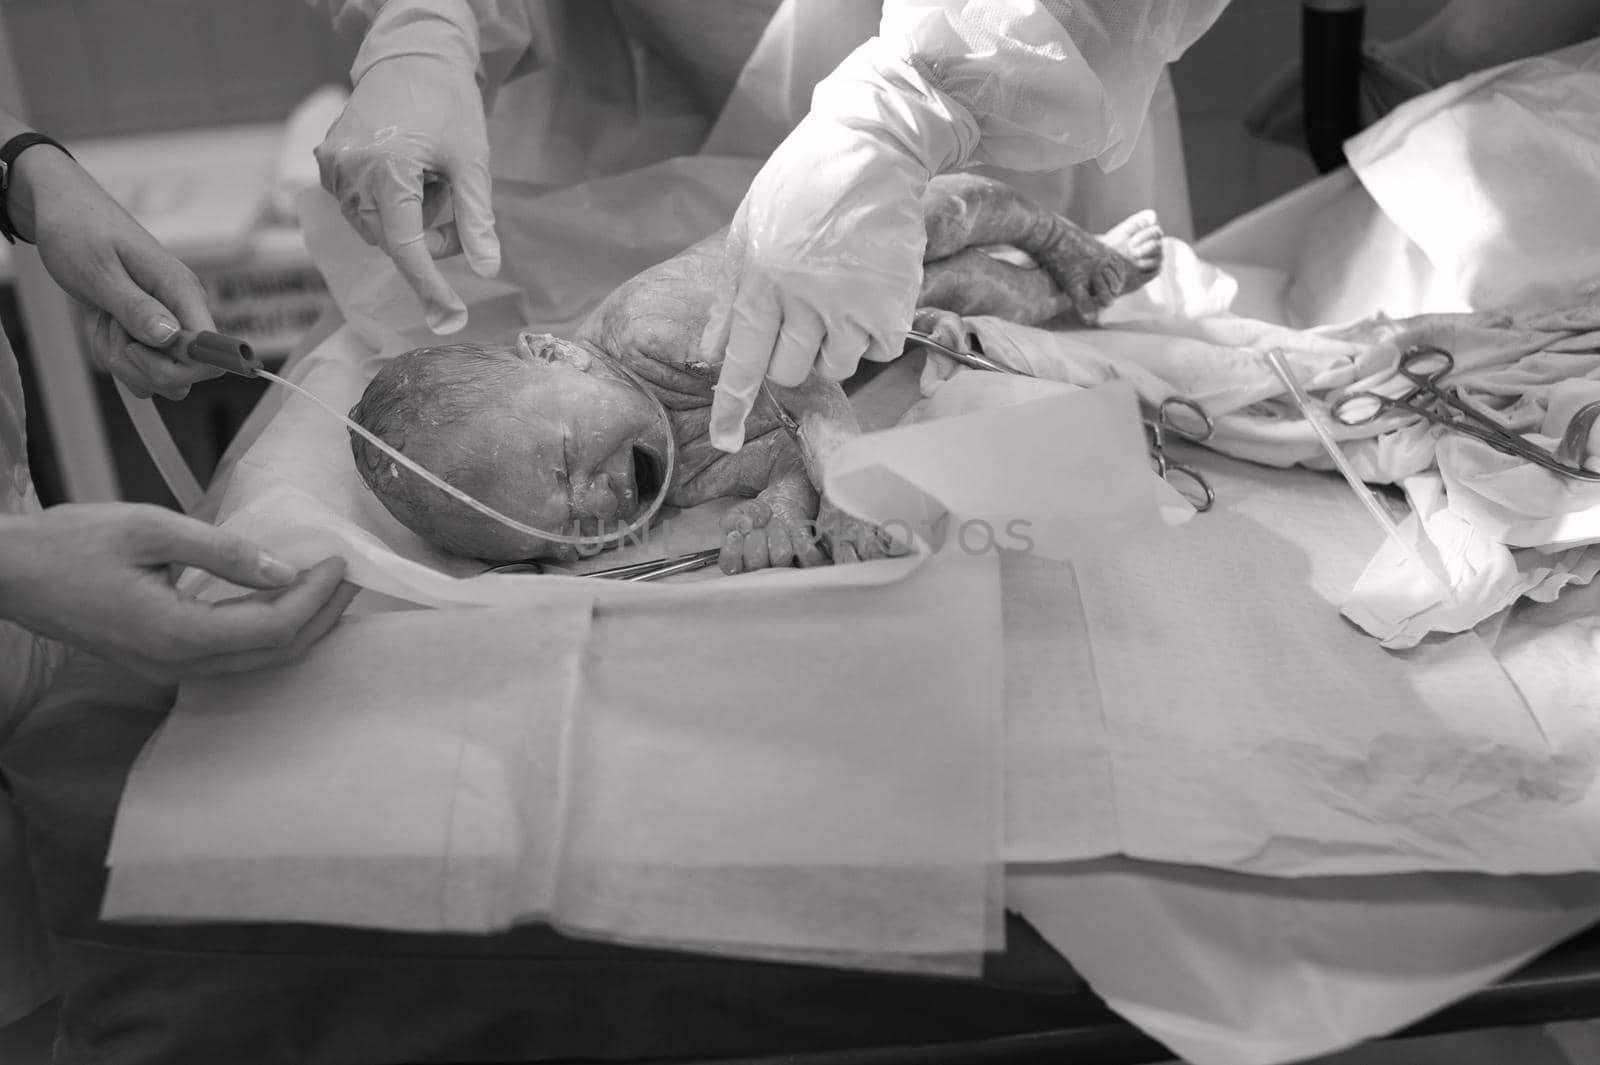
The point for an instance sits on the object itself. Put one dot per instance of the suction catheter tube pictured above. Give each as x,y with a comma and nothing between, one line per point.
223,352
237,357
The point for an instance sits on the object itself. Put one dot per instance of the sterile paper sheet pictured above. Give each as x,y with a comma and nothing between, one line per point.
465,769
1227,969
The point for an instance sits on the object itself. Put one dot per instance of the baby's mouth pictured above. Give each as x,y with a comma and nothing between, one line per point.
648,473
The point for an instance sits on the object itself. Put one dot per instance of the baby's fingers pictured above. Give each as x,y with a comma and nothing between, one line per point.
731,558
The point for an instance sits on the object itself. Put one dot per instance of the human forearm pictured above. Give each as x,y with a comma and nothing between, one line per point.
44,177
28,173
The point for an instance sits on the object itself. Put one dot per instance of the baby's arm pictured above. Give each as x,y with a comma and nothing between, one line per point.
827,422
778,526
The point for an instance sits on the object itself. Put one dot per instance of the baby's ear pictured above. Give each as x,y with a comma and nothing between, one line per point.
546,348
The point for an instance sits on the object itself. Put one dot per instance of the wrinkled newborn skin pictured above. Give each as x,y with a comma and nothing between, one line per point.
547,431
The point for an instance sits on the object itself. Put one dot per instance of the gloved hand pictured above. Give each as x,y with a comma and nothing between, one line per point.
824,256
100,576
137,292
408,159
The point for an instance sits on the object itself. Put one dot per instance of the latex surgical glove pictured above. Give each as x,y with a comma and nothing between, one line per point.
100,576
824,256
138,294
408,161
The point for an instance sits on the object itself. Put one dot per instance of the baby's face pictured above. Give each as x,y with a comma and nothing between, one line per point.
539,429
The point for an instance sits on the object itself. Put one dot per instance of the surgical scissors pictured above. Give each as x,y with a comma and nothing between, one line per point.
1185,419
1425,365
652,569
1192,424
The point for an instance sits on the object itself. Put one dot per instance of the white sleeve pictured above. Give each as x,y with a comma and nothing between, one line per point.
1050,82
502,38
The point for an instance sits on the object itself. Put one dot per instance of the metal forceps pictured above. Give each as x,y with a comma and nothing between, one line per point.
1187,420
1173,416
1425,366
651,569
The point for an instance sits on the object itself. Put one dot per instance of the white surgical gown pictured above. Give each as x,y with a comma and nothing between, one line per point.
583,88
27,663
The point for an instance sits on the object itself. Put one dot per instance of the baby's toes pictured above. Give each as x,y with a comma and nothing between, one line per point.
1138,237
1146,252
1149,258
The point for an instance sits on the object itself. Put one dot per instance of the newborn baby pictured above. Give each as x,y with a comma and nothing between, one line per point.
553,433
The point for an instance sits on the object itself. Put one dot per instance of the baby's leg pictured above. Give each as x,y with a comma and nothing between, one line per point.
972,282
826,423
965,210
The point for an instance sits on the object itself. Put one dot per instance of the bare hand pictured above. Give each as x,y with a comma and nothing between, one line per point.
137,293
100,576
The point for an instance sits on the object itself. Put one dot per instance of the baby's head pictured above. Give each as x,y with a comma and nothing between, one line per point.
538,428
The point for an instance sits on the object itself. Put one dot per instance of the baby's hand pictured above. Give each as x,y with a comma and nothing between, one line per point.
770,530
850,539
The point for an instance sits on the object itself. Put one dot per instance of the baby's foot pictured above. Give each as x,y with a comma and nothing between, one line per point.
1088,271
1138,239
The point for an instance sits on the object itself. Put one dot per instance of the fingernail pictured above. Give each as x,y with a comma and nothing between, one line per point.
276,569
447,320
161,329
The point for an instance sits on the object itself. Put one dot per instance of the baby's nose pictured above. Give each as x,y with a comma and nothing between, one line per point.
599,499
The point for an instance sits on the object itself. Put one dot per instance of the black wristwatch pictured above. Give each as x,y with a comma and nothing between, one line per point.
8,156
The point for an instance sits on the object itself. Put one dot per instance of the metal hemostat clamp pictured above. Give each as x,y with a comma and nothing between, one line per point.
1175,416
649,570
